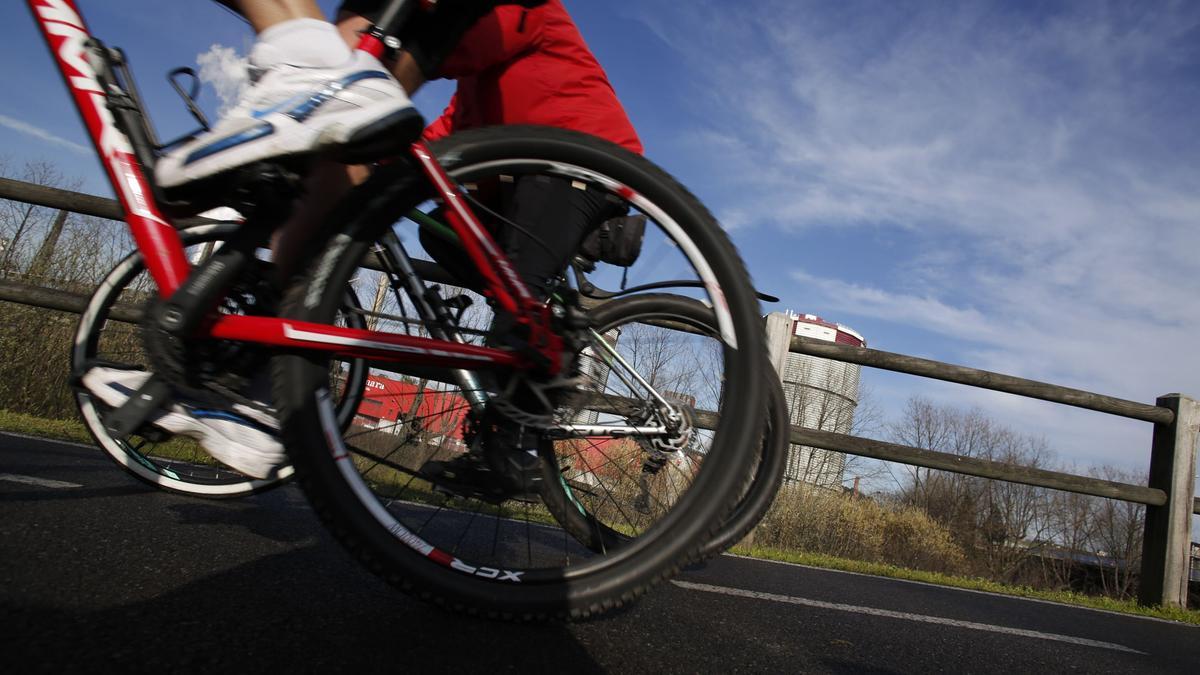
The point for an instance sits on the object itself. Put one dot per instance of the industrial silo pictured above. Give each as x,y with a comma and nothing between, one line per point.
821,394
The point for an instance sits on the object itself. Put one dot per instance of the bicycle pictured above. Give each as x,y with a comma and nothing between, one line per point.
385,523
109,332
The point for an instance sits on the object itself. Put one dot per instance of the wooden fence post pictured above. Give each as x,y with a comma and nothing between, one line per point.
1166,544
779,339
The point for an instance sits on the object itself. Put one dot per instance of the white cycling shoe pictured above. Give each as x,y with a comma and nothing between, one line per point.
236,435
292,110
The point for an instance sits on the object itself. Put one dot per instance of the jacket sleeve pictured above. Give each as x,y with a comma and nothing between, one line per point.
501,35
444,125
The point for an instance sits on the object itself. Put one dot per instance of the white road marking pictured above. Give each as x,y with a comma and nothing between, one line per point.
905,616
955,589
40,482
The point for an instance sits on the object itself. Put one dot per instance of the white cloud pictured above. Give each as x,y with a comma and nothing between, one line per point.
41,134
934,315
224,70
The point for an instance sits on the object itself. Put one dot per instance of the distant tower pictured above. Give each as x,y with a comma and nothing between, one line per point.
821,394
594,365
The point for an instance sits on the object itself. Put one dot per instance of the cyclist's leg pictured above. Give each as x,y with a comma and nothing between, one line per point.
427,40
311,92
554,215
542,220
263,14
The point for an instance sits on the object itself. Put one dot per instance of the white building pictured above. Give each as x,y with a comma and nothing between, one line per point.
820,394
594,365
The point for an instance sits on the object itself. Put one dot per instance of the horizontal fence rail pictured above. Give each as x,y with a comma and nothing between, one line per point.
75,202
983,379
1163,416
974,466
63,301
41,195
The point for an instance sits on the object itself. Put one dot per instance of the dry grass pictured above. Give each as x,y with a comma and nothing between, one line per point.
823,522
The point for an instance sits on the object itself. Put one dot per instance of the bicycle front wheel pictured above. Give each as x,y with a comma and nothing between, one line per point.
110,333
511,558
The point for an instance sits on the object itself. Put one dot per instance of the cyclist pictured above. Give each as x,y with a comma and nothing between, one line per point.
522,64
516,65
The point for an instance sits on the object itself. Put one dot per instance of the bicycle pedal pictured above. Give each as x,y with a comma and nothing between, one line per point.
133,413
387,136
259,191
265,191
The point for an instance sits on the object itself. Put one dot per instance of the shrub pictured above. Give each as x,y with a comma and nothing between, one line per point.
819,521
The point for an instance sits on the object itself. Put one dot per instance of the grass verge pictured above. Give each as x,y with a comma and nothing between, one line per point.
178,448
59,430
974,584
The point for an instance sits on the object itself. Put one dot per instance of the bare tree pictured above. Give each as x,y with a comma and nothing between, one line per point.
1116,535
47,248
1069,531
20,221
998,523
868,422
662,356
1012,515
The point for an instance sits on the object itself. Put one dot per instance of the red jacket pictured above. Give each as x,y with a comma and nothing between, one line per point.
531,66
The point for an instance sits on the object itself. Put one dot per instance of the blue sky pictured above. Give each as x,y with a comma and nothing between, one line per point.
1006,185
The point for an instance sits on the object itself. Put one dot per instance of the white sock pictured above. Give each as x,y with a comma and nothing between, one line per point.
310,43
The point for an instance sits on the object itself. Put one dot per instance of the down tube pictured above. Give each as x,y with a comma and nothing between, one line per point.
360,343
156,238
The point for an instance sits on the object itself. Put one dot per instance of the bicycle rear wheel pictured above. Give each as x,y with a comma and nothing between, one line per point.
609,488
510,558
110,332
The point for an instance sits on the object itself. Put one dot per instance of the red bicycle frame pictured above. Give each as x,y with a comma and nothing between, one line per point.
161,248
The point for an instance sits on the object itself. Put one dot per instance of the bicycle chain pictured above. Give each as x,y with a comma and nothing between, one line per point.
544,421
169,356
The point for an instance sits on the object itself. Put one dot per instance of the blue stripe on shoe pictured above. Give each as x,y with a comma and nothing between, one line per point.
251,134
307,108
120,388
298,99
201,413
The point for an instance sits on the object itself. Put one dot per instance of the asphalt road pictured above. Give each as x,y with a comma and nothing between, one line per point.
98,572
